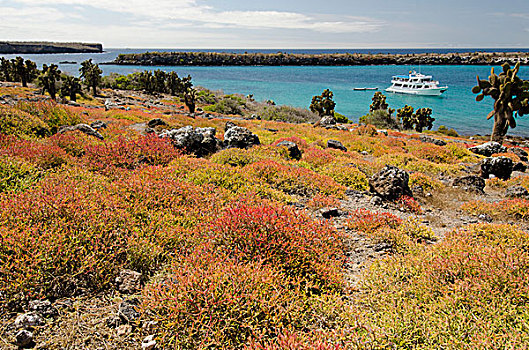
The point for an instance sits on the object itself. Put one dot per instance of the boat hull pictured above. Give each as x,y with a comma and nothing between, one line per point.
421,92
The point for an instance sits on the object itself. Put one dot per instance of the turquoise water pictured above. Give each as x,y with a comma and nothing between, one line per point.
295,86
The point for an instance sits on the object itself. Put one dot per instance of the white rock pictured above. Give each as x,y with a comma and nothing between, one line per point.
148,343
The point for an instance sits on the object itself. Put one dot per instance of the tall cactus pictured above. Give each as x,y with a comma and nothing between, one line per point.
511,94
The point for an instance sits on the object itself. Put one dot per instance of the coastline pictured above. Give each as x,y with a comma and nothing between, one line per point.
43,47
297,59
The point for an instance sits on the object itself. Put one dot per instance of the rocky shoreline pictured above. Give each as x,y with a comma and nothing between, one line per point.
286,59
38,47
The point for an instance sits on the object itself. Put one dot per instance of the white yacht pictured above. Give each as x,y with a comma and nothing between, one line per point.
416,84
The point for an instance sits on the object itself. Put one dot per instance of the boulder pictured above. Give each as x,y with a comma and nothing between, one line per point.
43,308
390,183
28,320
84,128
471,183
148,343
292,148
199,141
429,139
336,145
500,167
327,120
519,152
516,192
128,310
488,149
128,281
521,167
328,213
23,338
239,137
99,125
155,122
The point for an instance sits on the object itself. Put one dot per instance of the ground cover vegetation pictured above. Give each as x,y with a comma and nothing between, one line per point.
253,247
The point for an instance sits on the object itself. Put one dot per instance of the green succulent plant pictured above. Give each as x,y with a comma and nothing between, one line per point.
511,95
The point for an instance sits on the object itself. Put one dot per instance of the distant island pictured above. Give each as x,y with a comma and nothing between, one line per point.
288,59
38,47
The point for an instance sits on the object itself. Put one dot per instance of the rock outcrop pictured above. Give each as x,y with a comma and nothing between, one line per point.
488,149
239,137
390,183
471,183
500,167
292,148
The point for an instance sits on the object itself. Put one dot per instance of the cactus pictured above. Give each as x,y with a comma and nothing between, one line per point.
190,98
405,116
91,73
423,119
323,104
511,95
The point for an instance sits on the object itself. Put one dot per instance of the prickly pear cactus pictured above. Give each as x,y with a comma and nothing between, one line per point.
511,95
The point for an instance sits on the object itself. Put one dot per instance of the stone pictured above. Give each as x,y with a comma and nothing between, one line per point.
516,192
84,128
28,320
470,183
429,139
128,310
113,322
484,218
199,141
488,149
336,145
501,167
44,308
519,152
148,343
23,338
383,132
376,201
155,122
98,125
328,213
292,148
390,183
327,120
123,330
239,137
521,167
128,281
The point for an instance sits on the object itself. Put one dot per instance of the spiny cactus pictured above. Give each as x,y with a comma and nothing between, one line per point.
423,119
511,94
379,103
190,98
323,104
405,116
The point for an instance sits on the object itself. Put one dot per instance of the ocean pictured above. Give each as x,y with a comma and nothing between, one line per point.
295,86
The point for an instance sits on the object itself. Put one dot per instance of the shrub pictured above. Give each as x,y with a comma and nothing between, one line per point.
426,182
16,175
287,114
448,132
52,114
366,221
292,180
513,208
19,123
340,118
41,153
347,175
470,290
283,238
207,299
381,119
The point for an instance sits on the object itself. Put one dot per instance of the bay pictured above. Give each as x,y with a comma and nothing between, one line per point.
295,86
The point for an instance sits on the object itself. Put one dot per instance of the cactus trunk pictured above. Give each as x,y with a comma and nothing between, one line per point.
500,126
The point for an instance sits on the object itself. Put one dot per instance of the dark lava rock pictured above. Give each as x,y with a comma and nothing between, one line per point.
23,338
113,322
429,139
519,152
292,148
521,167
239,137
128,310
501,167
376,201
488,149
485,218
390,183
336,145
471,183
43,307
199,141
99,125
516,192
84,128
155,122
28,320
328,213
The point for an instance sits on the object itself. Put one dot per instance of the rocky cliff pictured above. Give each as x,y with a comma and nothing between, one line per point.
12,47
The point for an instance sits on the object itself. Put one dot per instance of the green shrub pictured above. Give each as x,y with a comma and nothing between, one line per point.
381,119
445,131
19,123
340,118
287,114
16,175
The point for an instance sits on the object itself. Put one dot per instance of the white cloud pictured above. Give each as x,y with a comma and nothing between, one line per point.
191,10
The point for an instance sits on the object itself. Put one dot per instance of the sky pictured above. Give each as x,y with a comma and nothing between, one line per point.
294,24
